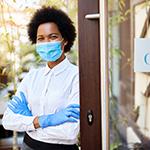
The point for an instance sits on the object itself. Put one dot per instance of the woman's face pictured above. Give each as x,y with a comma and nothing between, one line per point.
49,32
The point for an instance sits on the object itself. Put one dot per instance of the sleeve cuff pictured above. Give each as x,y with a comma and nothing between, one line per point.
29,123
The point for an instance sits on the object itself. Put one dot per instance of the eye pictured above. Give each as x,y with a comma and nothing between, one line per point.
53,37
40,38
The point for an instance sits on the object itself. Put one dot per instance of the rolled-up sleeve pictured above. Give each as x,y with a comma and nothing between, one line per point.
12,121
17,122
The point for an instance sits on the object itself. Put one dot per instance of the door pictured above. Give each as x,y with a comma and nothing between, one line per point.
90,74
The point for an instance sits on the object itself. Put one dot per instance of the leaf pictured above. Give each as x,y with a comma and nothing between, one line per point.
127,12
121,4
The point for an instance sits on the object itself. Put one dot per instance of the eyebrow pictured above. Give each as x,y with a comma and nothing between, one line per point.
48,34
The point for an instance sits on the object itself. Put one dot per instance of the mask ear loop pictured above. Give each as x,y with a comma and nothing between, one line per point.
63,44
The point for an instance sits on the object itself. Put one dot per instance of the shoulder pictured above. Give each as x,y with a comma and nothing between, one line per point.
74,72
73,68
34,72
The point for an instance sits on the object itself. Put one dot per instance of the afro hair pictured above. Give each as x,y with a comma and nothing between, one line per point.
61,19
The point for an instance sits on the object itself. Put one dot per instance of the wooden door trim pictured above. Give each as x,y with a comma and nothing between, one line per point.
89,68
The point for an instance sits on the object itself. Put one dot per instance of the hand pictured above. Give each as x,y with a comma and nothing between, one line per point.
19,106
69,114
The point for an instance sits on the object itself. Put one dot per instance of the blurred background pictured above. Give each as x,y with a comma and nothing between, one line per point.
18,55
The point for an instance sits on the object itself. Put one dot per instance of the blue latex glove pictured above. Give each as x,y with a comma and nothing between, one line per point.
69,114
19,106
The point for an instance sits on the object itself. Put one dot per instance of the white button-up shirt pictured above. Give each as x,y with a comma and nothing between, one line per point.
47,91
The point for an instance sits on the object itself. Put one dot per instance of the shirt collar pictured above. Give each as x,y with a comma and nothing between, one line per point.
58,68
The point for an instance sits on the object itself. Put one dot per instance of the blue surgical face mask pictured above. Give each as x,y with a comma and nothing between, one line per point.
49,51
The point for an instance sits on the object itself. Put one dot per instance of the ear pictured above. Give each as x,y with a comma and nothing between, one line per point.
65,43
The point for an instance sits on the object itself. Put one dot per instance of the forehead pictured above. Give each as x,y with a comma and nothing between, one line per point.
47,28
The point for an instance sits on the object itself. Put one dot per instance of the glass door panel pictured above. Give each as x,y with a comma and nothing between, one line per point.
129,101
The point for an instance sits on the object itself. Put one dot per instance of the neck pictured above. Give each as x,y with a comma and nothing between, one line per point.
52,64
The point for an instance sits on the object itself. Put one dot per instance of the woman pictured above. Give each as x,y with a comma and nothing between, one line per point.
46,104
